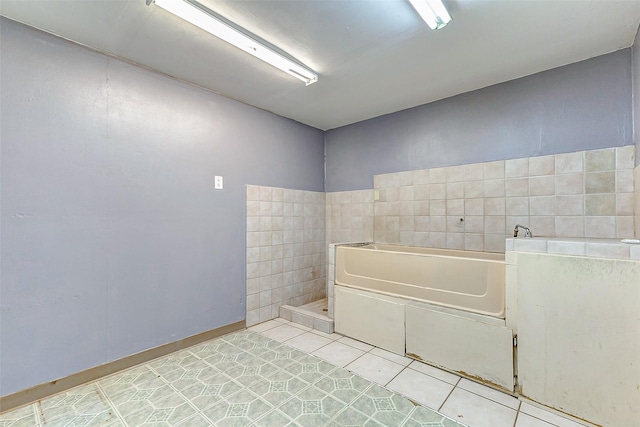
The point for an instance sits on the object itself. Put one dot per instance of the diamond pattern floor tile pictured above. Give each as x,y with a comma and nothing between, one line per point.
241,379
239,409
81,406
22,417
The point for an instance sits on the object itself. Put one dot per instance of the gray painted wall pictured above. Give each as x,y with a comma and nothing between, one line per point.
582,106
113,238
636,94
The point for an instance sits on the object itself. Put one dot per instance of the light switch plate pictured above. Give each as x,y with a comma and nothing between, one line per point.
218,183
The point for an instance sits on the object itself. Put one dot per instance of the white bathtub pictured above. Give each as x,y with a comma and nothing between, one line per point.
465,280
443,307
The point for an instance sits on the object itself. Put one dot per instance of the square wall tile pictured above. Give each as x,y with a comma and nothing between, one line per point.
455,173
569,163
474,172
517,187
253,192
570,205
600,204
437,207
625,227
494,188
543,165
516,168
542,185
600,160
624,181
494,170
494,224
602,227
455,207
386,180
542,226
572,183
474,189
542,205
473,242
405,178
455,190
624,204
600,182
474,224
517,206
474,206
437,175
455,241
438,191
494,206
494,242
625,157
421,177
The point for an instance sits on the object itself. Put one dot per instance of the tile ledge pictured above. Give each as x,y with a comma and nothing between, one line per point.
580,246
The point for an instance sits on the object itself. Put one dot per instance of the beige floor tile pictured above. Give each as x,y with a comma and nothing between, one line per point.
440,374
283,332
308,342
375,368
489,393
421,388
264,326
338,353
355,343
400,360
547,416
477,411
332,337
525,420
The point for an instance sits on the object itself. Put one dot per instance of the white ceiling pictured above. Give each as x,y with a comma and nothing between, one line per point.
373,56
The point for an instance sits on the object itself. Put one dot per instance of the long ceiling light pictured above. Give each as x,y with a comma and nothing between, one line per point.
433,12
204,18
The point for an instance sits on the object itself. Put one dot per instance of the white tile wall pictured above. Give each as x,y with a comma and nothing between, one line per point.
349,216
285,250
637,201
584,194
474,207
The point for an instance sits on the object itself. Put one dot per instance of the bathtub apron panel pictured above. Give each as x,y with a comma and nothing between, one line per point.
375,319
475,349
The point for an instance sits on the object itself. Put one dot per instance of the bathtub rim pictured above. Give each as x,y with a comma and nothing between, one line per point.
415,251
426,251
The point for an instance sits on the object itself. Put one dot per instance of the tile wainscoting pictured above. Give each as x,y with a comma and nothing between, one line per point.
475,206
586,194
637,197
285,250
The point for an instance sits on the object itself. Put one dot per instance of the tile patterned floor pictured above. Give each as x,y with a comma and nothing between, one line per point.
281,374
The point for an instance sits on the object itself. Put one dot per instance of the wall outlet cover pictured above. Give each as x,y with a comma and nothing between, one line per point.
218,183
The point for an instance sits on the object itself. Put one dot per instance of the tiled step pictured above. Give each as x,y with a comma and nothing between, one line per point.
311,315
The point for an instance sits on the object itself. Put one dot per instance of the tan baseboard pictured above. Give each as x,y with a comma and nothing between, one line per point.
40,391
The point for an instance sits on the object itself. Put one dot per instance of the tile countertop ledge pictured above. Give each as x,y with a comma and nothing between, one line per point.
588,247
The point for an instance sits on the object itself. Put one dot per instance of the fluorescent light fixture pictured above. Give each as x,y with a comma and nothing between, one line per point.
204,18
433,12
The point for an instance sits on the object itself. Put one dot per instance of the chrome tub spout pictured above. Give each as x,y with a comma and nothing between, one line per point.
527,232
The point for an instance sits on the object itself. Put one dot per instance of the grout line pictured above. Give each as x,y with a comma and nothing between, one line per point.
515,422
36,412
104,394
394,377
488,398
449,395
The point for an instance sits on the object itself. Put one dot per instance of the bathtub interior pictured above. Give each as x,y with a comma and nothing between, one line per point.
472,281
491,256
